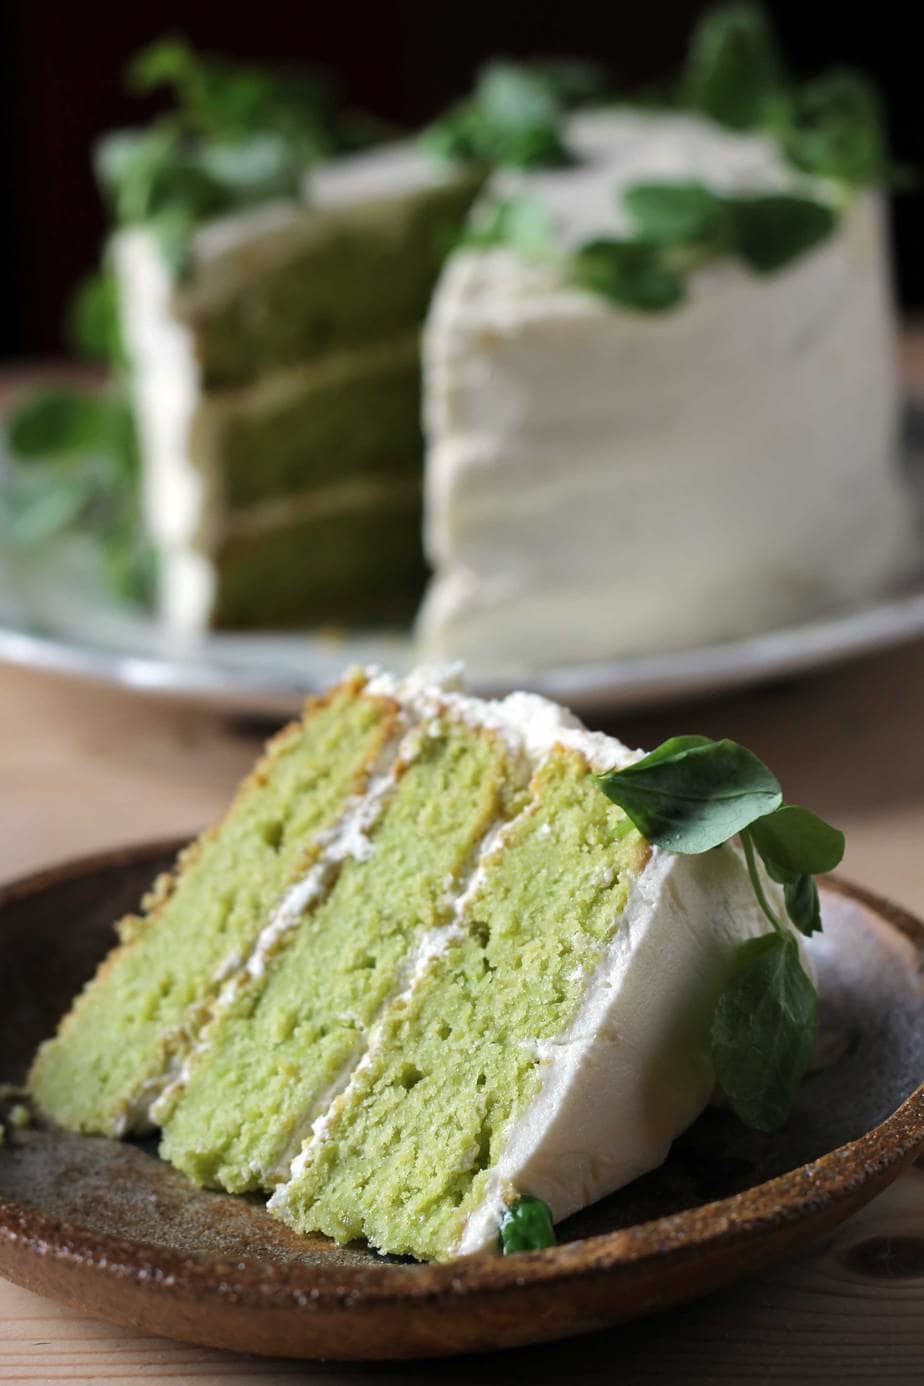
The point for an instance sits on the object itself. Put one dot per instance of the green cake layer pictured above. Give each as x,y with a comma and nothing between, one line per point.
113,1050
352,414
350,565
404,1158
289,1035
329,278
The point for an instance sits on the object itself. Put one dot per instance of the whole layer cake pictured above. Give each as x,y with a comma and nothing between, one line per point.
422,969
604,481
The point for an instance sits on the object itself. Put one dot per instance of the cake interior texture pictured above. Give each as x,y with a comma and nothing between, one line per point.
277,395
407,1154
422,966
117,1046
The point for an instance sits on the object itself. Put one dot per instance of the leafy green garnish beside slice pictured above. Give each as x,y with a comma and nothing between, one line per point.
794,842
526,1226
764,1031
691,795
775,228
734,73
633,273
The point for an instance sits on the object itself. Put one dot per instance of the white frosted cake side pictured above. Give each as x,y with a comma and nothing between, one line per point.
604,482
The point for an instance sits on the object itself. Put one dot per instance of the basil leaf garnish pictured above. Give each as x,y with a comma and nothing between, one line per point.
802,904
835,129
775,228
734,70
692,794
522,223
58,421
526,1226
672,213
632,273
764,1031
794,842
513,118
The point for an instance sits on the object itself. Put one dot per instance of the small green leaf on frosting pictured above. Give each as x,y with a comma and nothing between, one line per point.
691,794
672,213
835,129
764,1031
773,229
526,1226
513,118
632,273
522,223
734,71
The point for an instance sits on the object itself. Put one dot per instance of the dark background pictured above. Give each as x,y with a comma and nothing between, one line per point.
60,86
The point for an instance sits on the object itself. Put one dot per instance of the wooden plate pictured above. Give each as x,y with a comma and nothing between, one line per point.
110,1230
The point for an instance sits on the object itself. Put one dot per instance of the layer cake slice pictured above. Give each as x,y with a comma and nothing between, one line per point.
423,968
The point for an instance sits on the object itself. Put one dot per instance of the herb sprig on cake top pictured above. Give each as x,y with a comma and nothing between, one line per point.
689,796
829,130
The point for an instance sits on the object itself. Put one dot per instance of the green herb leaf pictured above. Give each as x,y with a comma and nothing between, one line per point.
60,422
573,81
513,118
526,1226
41,503
672,213
93,319
772,230
794,842
764,1031
802,904
691,794
734,72
629,272
522,223
230,102
835,129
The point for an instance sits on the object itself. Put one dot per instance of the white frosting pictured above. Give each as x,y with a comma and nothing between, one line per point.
166,389
603,482
394,170
632,1070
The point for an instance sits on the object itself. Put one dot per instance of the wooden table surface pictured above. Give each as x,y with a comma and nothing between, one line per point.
84,767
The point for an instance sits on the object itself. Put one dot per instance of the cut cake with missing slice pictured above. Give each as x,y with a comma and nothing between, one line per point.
422,967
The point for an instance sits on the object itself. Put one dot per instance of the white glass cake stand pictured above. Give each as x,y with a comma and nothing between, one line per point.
56,615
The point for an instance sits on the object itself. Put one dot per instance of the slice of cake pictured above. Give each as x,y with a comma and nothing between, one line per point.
724,424
423,969
276,388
